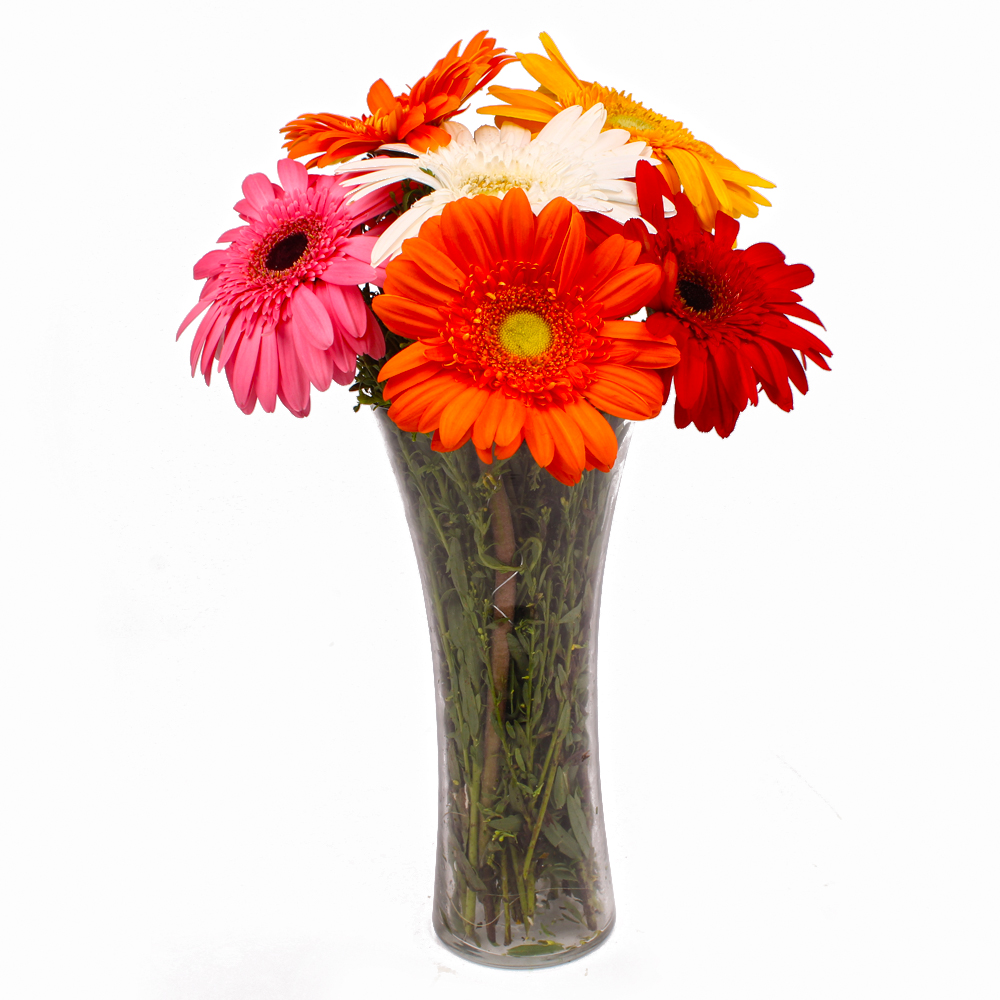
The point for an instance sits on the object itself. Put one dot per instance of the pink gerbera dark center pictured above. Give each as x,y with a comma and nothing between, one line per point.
286,252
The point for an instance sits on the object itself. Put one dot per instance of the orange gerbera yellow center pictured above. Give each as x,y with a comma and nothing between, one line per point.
525,334
512,330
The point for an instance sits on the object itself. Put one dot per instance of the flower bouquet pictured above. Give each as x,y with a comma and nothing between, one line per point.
507,301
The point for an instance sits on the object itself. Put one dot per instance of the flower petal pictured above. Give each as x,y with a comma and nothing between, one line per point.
294,178
539,436
460,414
310,319
258,190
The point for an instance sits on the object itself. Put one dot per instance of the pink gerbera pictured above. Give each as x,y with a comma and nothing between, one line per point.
284,307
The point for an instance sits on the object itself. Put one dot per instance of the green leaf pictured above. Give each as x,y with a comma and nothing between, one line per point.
487,560
535,949
578,822
456,565
515,643
509,824
532,549
572,615
562,839
562,724
468,697
560,788
516,798
470,873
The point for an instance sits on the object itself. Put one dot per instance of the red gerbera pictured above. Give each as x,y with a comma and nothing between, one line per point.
414,118
727,309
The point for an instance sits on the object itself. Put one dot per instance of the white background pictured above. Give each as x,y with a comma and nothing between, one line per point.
218,755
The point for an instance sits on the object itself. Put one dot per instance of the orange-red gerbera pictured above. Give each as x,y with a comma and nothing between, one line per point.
711,182
518,335
414,118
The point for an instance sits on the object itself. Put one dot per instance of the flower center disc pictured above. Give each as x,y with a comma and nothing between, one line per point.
286,252
525,334
695,296
631,122
496,184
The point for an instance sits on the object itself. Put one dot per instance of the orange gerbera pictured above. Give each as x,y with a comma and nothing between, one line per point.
414,118
518,336
711,182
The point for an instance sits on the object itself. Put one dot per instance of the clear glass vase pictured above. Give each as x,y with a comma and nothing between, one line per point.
511,562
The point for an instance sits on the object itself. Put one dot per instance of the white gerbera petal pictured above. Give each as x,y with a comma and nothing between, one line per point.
569,158
408,224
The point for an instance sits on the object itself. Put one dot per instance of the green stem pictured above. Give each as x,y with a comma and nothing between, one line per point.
545,768
502,528
469,911
586,882
557,742
505,889
522,893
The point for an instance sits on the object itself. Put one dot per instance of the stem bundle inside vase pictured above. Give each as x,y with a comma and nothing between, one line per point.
511,562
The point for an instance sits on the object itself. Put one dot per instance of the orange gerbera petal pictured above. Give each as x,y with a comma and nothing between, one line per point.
518,226
485,430
426,137
602,260
412,281
643,354
506,450
435,264
625,291
553,224
470,234
527,99
410,357
414,117
407,380
511,422
598,437
438,445
460,414
571,255
626,392
406,317
538,435
568,437
410,408
518,348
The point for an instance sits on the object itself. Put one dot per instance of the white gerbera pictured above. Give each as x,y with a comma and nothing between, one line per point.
569,158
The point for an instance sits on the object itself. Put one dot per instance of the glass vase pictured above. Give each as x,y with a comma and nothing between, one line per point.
511,563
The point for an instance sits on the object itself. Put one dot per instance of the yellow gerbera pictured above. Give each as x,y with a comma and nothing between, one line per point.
711,182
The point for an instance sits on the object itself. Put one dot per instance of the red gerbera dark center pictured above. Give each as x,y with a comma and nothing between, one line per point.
512,329
713,287
695,295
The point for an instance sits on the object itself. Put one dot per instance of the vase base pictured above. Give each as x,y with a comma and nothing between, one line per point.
540,951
